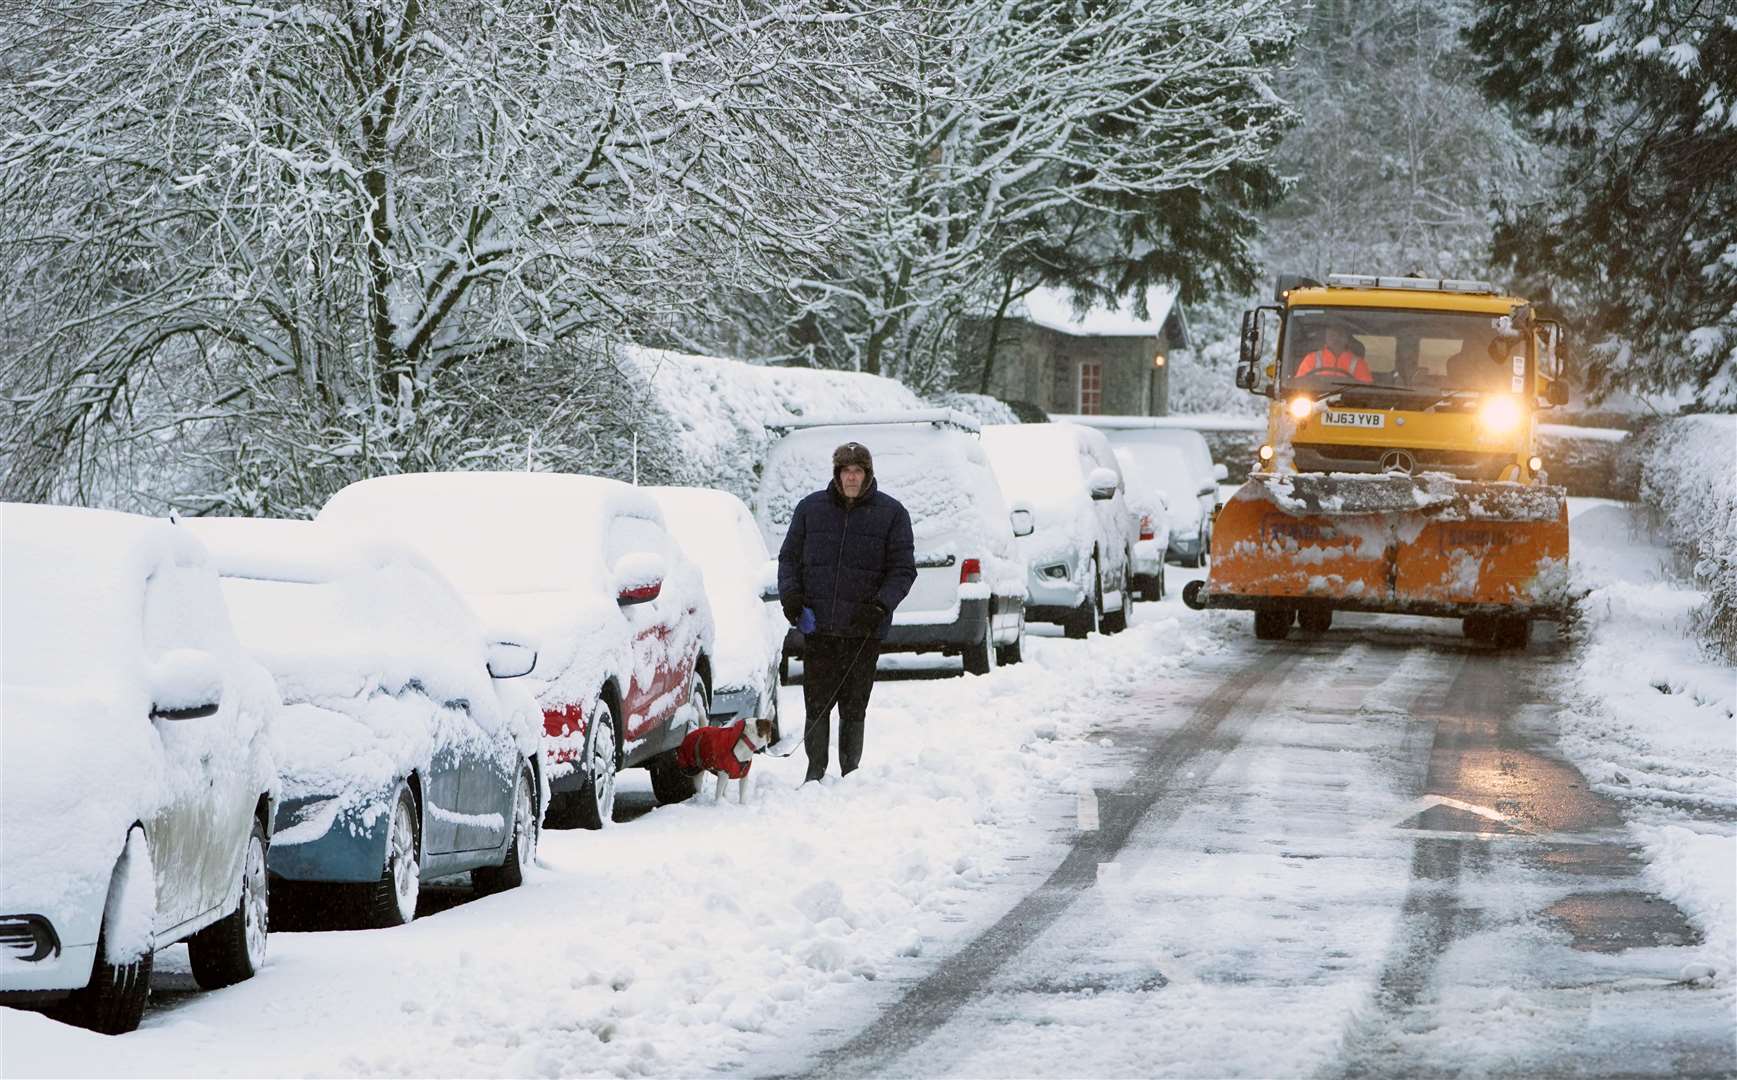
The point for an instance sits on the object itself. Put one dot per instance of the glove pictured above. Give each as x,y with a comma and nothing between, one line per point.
792,609
867,619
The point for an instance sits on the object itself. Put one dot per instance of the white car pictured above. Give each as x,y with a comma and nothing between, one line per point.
969,596
717,531
1081,549
137,784
405,753
1189,546
1152,506
581,569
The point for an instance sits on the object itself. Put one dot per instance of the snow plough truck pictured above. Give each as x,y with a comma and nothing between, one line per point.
1400,470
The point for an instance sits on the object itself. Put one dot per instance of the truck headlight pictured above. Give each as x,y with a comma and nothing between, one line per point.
1301,406
1500,415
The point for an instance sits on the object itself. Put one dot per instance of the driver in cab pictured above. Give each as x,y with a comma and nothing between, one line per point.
1335,356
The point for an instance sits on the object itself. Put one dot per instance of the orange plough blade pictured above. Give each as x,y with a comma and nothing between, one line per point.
1423,545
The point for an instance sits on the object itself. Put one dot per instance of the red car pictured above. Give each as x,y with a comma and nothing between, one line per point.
582,570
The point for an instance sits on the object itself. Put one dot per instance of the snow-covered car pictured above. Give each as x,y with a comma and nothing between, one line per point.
1081,549
581,569
717,531
404,752
137,784
1163,468
1187,546
1150,504
969,596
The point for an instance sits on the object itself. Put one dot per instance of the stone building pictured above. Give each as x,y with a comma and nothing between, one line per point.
1100,361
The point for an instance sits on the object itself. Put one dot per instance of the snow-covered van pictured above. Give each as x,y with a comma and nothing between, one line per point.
581,569
969,597
137,784
407,747
1082,547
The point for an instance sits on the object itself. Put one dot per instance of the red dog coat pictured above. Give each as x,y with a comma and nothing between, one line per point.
713,749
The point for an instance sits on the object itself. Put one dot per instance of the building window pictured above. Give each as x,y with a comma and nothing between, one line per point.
1091,388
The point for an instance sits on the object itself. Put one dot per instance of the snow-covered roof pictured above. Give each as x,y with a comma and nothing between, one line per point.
1054,309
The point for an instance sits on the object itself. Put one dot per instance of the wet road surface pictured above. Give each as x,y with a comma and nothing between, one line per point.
1354,854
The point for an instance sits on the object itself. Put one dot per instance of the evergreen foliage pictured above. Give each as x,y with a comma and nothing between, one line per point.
1638,232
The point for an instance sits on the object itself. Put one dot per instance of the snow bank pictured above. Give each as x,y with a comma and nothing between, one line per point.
1688,476
1650,720
721,409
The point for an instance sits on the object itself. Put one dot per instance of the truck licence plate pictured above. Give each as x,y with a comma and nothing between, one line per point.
1354,419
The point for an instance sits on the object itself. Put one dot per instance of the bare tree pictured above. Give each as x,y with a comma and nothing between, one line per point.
225,218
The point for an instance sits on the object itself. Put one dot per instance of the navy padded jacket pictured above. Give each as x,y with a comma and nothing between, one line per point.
835,559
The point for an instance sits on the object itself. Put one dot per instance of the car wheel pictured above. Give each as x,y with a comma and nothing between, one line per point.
1088,617
522,850
391,901
233,948
980,658
1272,624
670,783
112,1002
1013,652
594,803
1315,620
1117,621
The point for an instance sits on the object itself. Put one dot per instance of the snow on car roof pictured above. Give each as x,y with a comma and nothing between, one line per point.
497,532
72,589
276,549
333,612
1039,463
927,468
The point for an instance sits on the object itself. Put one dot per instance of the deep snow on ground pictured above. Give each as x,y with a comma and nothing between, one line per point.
695,935
705,939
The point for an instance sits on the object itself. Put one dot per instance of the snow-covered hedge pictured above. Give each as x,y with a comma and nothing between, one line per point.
721,409
1688,477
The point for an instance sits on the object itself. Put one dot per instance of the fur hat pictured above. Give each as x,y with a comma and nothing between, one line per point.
852,453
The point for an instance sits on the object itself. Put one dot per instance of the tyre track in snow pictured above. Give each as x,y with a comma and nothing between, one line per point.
1151,795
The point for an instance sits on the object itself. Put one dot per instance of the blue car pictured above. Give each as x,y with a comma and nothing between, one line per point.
402,750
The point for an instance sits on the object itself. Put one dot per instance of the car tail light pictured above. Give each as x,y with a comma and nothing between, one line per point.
970,571
1146,532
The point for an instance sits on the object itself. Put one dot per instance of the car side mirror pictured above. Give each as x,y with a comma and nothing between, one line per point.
186,684
510,660
1220,472
638,578
1022,520
769,581
1103,483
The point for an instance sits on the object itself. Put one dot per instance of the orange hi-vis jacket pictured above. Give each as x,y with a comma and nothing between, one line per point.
1325,359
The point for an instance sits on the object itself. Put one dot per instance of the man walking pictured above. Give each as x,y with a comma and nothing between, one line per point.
849,559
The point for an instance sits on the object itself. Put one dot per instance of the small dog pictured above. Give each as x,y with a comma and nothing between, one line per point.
725,752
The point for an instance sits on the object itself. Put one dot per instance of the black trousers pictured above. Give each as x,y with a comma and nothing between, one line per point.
841,670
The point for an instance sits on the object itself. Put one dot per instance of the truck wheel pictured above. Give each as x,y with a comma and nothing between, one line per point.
1272,624
1478,627
1315,620
1512,632
233,948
